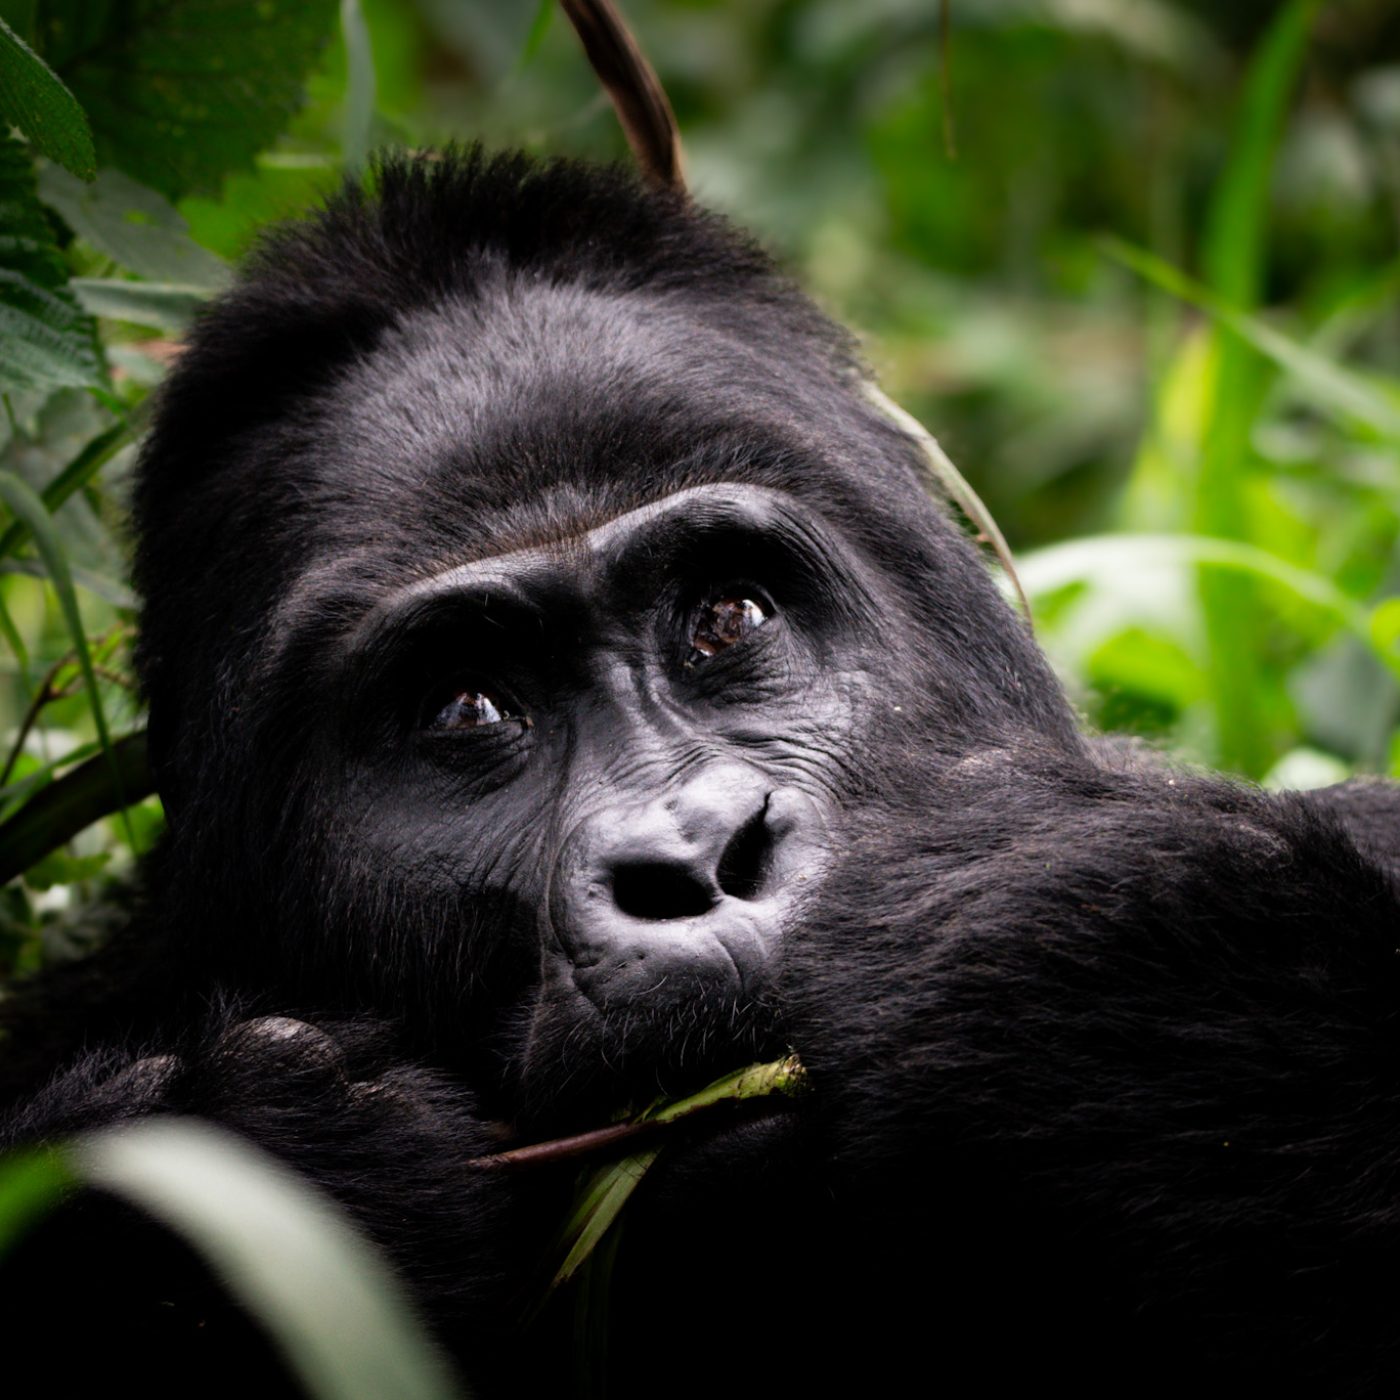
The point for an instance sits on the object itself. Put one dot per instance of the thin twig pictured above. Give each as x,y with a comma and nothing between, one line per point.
42,696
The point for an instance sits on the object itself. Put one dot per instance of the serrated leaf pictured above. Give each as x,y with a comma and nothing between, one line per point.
134,226
182,92
33,98
46,340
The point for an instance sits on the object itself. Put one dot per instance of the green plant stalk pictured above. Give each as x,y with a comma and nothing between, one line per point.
26,506
1234,257
608,1188
106,783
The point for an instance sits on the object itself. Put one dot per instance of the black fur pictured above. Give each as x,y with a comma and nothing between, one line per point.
1102,1054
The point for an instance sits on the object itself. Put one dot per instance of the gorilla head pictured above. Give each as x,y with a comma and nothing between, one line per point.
531,595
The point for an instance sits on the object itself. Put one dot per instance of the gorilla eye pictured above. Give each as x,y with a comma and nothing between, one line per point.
722,623
470,709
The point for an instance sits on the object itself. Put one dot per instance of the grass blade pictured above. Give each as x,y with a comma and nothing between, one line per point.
81,470
26,506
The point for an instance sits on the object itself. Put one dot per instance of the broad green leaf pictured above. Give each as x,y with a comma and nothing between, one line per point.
1147,664
104,784
1102,558
134,226
162,305
285,1252
46,340
34,99
182,92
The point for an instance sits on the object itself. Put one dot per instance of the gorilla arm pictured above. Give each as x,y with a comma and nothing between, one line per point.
1114,1065
389,1140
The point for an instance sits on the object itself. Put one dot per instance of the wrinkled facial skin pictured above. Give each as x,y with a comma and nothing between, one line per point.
598,731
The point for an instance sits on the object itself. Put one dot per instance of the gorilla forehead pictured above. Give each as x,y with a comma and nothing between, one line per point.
534,411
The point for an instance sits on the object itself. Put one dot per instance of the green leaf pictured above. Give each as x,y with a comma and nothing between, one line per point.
95,454
539,30
359,84
1329,386
284,1251
608,1188
163,305
67,805
1238,217
1105,558
34,99
56,868
110,590
134,226
42,775
182,92
30,1184
46,340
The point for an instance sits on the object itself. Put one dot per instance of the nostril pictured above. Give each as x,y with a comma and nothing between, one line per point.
660,892
744,865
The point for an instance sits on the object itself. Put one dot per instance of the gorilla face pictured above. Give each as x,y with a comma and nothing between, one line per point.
555,635
640,733
609,756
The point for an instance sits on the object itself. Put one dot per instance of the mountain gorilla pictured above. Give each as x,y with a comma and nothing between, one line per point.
563,691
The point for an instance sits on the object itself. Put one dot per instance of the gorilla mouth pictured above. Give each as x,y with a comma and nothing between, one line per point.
586,1060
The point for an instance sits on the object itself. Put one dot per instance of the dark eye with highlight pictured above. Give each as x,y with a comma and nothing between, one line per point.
722,623
469,708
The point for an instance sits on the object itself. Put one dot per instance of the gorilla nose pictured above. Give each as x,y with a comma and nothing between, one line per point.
718,856
682,894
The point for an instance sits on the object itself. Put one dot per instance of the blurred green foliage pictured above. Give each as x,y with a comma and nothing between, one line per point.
1137,265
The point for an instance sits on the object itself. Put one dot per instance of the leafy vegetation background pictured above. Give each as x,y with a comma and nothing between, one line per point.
1136,264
